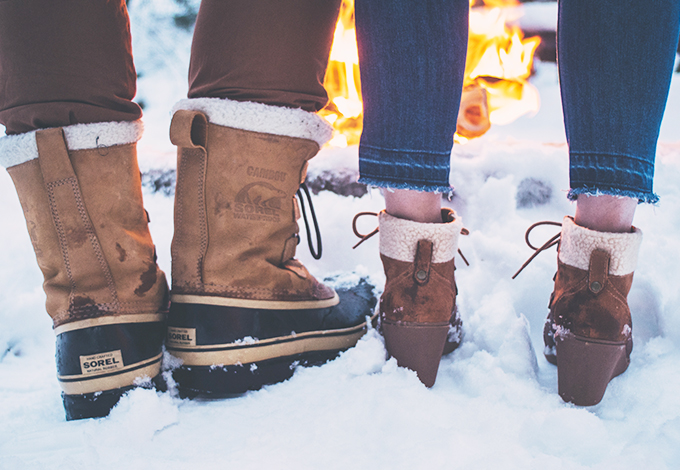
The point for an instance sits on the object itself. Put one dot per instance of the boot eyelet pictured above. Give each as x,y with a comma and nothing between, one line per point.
421,275
595,287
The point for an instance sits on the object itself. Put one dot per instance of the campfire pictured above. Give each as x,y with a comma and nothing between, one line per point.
499,62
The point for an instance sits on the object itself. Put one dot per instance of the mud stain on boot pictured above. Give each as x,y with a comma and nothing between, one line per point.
81,301
76,237
148,279
122,254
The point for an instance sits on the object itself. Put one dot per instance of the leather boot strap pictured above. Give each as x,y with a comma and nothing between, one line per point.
598,271
189,132
421,265
88,272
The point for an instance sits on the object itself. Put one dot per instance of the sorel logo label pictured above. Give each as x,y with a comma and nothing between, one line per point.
102,362
258,201
181,336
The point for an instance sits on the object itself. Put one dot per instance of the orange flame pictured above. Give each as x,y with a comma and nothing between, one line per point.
499,60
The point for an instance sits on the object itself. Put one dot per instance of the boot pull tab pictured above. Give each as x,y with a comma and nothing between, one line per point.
189,129
421,265
598,271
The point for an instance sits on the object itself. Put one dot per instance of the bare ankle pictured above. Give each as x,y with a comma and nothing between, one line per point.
605,213
413,205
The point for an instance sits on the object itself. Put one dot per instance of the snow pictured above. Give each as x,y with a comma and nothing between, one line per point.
495,403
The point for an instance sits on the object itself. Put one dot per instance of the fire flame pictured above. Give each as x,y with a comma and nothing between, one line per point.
499,62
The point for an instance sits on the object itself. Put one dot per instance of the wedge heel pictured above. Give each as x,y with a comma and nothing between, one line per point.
586,366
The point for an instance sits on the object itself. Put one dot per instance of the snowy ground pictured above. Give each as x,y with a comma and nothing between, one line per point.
494,404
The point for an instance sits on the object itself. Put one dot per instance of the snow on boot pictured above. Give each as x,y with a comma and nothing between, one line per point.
244,310
418,307
588,333
80,191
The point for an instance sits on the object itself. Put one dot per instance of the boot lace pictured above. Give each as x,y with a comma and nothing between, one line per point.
365,237
316,253
554,240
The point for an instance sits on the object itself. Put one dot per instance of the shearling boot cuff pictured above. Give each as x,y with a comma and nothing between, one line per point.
577,244
258,117
399,237
21,148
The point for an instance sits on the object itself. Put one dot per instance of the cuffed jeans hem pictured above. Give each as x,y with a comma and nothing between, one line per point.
642,197
390,184
612,174
419,170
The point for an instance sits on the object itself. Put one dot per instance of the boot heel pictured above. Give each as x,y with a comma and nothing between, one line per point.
99,404
585,366
416,346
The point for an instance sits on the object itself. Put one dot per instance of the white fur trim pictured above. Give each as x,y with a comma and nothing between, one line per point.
258,117
577,244
399,238
21,148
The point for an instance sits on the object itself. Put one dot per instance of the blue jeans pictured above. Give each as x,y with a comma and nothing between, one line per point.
616,61
412,59
615,57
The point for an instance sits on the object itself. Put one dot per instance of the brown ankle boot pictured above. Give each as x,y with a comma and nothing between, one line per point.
80,191
588,331
418,307
240,299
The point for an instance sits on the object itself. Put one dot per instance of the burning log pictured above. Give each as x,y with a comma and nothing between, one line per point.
473,115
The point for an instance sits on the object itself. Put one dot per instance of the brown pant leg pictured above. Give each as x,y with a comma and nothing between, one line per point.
65,62
269,51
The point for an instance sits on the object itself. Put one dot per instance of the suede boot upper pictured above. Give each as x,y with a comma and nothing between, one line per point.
235,208
594,276
89,229
419,265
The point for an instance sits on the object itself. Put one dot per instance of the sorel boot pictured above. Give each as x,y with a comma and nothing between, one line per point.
80,191
588,330
418,307
244,310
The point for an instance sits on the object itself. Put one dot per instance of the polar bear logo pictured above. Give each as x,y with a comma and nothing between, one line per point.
261,194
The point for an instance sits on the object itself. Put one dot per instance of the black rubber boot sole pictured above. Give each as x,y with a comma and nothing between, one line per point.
100,404
235,380
99,364
229,350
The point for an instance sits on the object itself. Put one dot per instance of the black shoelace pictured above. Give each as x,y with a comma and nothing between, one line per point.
316,254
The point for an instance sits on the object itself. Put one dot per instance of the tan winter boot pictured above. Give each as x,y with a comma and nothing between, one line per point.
80,191
418,307
588,334
243,308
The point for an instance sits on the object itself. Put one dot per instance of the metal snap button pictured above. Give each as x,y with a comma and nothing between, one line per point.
421,275
595,287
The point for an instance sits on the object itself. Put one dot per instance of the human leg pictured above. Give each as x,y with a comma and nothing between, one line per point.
240,299
615,62
78,182
64,64
412,58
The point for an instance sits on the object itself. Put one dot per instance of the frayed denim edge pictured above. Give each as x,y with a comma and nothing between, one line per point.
643,198
448,190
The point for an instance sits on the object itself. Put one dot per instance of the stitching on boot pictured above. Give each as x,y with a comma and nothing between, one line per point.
202,216
61,235
94,240
89,229
179,206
